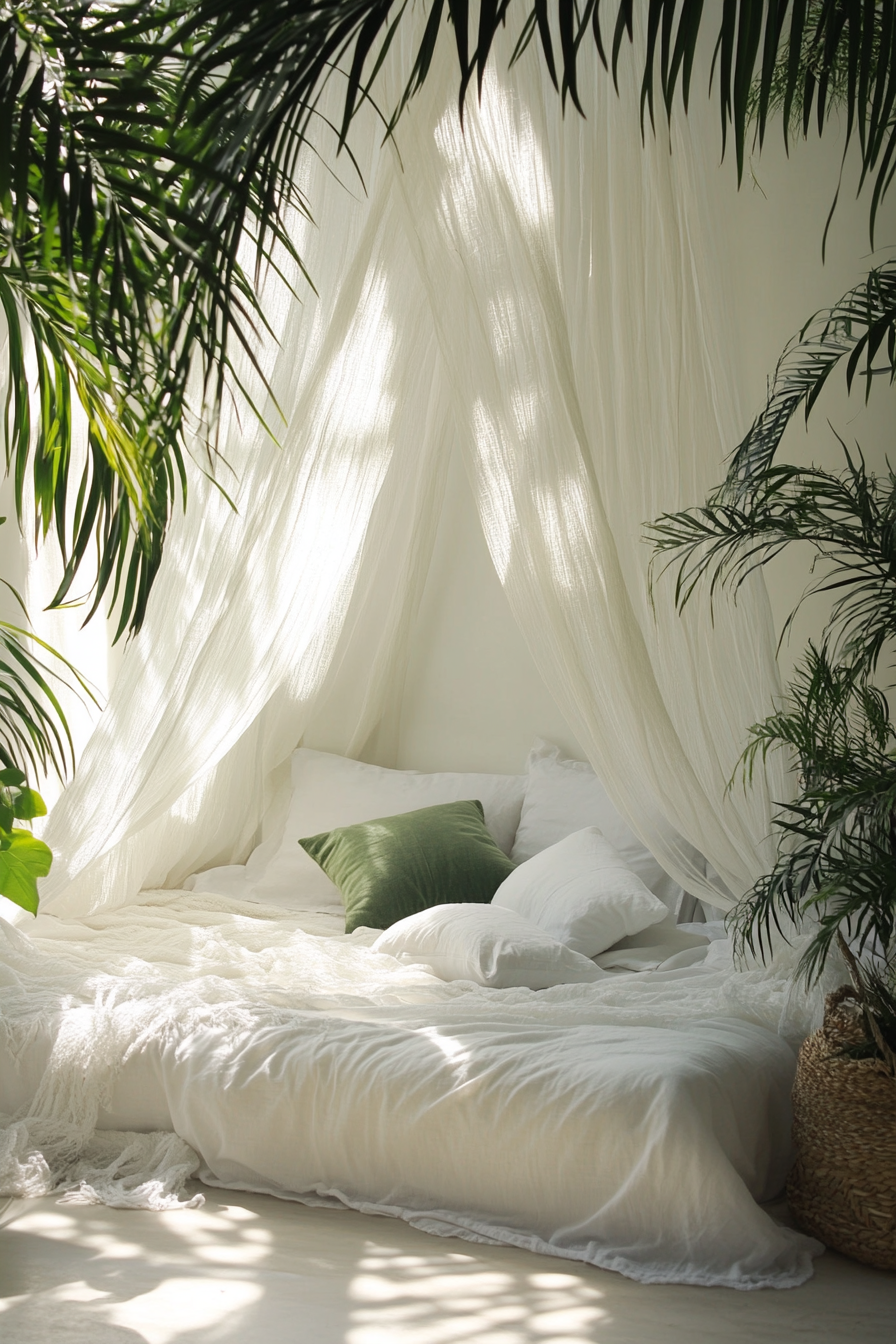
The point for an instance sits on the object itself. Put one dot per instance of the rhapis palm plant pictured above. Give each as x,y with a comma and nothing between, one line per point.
141,141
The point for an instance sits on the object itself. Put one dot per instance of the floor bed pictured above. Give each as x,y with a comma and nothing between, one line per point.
632,1124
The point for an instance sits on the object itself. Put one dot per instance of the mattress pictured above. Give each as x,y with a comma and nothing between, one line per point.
634,1124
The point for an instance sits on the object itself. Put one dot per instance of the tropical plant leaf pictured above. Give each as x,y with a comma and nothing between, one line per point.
858,329
23,859
28,804
849,518
119,281
837,857
836,853
34,731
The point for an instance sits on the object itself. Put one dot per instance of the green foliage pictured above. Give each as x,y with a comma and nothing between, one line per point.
836,856
33,727
824,57
118,279
23,858
875,989
849,518
859,329
34,732
837,841
836,859
837,852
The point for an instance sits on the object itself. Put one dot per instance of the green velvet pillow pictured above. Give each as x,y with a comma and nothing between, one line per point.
395,866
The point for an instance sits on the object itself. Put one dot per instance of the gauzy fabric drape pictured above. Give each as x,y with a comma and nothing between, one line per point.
542,290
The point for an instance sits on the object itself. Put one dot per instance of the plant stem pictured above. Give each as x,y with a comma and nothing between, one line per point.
855,975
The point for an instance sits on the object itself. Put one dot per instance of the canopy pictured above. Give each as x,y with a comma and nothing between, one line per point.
541,291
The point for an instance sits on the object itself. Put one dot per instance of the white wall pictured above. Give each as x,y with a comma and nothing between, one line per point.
474,699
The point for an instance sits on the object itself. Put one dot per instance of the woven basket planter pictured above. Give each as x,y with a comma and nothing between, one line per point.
842,1188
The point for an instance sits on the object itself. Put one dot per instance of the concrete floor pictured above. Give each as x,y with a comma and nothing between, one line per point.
249,1267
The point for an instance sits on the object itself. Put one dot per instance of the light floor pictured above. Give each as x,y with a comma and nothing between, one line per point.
253,1268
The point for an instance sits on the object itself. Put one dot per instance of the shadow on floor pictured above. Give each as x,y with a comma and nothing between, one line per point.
252,1268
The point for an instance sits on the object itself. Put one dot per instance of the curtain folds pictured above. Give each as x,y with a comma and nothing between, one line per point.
540,289
573,287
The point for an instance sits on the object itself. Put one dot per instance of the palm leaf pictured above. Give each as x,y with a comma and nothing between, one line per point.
837,858
849,518
856,329
34,731
119,283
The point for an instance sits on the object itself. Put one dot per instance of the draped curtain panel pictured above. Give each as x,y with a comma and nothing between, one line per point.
578,303
541,289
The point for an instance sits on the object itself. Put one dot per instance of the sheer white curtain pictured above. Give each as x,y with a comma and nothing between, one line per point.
542,289
248,612
577,300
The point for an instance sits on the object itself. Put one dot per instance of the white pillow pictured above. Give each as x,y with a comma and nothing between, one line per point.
487,944
581,893
330,791
562,796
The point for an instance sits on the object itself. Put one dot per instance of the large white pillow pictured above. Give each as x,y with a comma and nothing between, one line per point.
563,796
582,893
330,791
487,944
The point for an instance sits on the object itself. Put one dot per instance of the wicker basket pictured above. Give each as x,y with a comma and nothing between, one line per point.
842,1188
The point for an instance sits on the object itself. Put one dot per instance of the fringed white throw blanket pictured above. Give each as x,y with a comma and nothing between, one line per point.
631,1123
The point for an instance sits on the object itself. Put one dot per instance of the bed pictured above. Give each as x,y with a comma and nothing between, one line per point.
635,1122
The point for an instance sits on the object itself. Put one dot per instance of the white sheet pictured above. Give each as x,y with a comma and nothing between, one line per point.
631,1124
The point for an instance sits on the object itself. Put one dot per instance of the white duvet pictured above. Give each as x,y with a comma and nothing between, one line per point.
631,1123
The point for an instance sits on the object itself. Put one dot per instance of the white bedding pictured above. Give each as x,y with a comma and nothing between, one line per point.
631,1123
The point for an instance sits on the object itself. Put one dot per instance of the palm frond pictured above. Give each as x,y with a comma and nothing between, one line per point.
836,862
34,731
117,282
858,329
771,55
836,850
874,988
849,518
830,57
